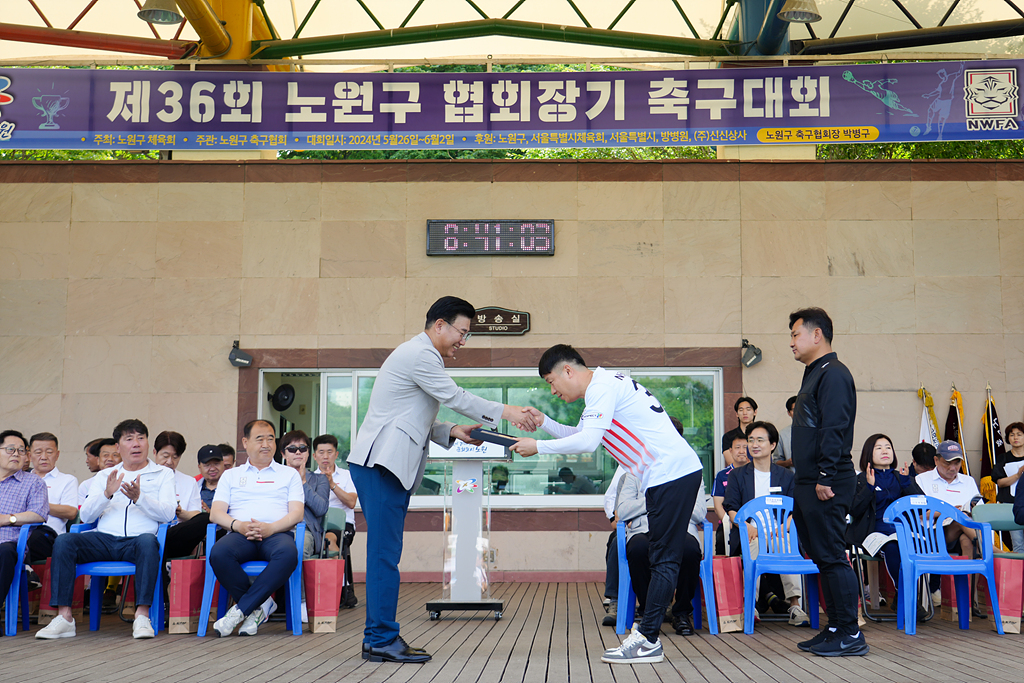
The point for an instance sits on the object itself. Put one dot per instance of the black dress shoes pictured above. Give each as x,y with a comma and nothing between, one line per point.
398,652
682,625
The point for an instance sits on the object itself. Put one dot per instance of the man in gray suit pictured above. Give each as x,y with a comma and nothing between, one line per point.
390,453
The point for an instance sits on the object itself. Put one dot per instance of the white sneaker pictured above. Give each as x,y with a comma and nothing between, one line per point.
226,624
798,617
58,628
142,627
305,614
269,606
635,649
252,622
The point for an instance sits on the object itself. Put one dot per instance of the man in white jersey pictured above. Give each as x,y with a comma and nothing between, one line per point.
634,428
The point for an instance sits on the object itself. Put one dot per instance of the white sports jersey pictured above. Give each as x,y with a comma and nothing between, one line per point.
638,433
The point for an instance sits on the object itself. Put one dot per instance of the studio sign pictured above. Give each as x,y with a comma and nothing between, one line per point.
495,320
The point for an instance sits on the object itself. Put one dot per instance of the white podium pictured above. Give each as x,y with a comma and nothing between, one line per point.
466,531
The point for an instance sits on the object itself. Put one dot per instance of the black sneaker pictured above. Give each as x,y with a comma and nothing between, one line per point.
846,646
33,580
823,635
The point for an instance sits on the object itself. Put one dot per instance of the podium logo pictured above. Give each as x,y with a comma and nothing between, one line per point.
465,485
991,99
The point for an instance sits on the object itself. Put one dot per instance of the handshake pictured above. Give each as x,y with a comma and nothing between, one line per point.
526,418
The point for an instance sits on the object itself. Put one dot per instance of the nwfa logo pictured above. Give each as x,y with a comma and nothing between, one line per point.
990,99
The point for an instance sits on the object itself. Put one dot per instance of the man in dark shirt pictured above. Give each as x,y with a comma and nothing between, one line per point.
823,419
184,537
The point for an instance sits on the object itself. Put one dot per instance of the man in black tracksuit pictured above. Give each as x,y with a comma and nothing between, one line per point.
823,419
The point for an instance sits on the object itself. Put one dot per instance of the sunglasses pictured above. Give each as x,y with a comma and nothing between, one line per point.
297,449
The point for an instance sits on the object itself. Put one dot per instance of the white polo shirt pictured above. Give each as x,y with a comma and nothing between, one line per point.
957,493
263,495
61,489
186,492
343,479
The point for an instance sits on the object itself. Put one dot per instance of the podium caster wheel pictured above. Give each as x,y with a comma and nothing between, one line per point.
497,615
434,616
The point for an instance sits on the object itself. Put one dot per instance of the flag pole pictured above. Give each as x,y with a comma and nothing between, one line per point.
954,401
988,426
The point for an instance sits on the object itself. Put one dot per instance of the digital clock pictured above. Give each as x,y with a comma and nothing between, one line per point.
490,238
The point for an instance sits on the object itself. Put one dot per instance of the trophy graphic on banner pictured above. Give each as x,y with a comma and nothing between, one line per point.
50,105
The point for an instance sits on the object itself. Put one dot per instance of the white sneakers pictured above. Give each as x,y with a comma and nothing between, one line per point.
252,622
635,649
58,628
798,617
226,624
142,627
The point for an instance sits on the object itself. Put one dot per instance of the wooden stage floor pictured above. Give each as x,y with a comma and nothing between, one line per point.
550,632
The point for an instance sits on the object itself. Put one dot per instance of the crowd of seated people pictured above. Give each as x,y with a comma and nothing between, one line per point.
135,487
758,462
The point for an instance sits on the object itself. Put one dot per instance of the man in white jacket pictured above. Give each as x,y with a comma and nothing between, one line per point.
128,502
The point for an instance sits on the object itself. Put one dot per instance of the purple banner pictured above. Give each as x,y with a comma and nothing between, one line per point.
120,109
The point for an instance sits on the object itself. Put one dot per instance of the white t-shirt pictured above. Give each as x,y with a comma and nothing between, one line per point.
263,495
186,492
957,493
343,479
634,428
762,483
61,489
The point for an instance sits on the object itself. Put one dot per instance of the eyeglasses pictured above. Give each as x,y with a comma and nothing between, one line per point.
297,449
465,335
11,450
759,441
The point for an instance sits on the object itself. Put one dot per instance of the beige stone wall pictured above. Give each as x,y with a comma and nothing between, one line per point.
121,298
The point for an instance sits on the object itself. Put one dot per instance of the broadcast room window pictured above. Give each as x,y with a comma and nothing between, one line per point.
691,395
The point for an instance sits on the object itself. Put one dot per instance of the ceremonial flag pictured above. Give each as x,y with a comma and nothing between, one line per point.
995,449
954,426
929,425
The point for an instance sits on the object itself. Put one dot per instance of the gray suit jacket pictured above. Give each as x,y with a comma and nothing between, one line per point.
407,394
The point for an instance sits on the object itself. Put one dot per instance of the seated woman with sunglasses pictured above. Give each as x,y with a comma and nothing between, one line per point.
295,449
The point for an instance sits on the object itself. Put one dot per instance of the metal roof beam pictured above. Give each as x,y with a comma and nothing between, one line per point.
172,49
487,27
880,42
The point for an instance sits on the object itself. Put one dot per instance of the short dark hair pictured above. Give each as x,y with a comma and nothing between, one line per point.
173,439
247,429
88,446
132,426
12,432
329,439
43,436
813,318
744,399
293,436
677,424
226,449
1019,426
448,308
924,454
738,435
869,447
790,402
95,446
557,355
773,433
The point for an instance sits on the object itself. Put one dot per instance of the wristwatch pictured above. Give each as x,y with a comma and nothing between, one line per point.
13,519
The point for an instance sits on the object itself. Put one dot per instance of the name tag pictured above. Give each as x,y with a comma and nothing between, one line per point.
774,489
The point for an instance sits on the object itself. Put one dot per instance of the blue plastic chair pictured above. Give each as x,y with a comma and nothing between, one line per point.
627,598
113,568
19,588
778,552
922,545
293,616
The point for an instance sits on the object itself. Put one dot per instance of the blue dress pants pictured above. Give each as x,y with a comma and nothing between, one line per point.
384,502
